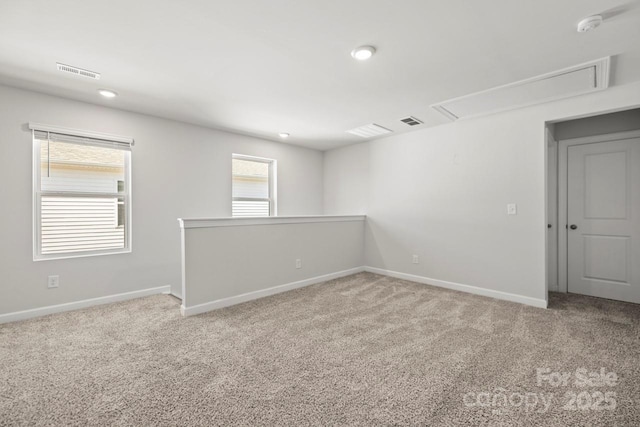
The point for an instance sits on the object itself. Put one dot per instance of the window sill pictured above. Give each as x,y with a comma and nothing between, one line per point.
38,258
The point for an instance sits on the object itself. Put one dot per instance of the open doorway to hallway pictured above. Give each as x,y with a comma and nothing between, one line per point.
593,200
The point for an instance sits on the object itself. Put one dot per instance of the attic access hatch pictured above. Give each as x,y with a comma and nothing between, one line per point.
580,79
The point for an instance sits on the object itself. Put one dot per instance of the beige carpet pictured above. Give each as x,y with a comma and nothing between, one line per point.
362,350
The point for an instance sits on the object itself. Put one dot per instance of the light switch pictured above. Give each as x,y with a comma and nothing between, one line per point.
512,209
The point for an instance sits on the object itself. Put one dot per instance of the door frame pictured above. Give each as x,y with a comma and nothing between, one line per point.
563,181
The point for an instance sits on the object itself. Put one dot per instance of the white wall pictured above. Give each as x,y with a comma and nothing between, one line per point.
621,121
179,170
346,173
222,263
441,193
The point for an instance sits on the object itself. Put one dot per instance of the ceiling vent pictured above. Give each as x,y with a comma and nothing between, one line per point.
78,71
411,121
577,80
369,131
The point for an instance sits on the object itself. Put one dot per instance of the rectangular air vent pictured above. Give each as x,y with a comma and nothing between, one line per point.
369,131
411,121
78,71
577,80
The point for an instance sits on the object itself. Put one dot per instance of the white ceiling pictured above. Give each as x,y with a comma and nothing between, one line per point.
261,67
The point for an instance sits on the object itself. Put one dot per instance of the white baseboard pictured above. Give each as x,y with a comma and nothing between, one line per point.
226,302
535,302
238,299
76,305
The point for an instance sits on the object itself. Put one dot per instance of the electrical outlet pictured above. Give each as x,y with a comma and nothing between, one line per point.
416,259
54,282
298,263
512,209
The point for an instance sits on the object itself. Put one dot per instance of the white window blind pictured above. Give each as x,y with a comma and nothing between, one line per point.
82,195
252,186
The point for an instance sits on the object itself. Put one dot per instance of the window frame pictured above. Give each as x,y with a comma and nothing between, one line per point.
38,194
272,199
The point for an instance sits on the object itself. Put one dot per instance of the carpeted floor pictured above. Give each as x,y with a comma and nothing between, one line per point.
362,350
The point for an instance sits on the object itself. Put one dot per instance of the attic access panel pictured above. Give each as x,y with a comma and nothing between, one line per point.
577,80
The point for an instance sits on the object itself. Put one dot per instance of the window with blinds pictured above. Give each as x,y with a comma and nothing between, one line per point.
253,186
82,195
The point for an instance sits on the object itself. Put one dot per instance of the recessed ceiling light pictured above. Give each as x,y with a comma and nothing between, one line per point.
107,93
589,23
283,135
363,53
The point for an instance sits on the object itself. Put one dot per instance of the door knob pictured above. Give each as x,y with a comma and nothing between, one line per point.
573,227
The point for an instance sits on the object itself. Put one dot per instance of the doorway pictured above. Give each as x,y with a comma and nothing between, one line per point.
597,206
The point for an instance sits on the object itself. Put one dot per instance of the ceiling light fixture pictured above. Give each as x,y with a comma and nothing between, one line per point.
589,23
107,93
283,135
363,53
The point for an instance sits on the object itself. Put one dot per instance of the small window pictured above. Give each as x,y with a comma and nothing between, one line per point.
253,186
82,204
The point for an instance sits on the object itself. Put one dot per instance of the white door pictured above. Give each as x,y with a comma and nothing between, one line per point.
603,211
